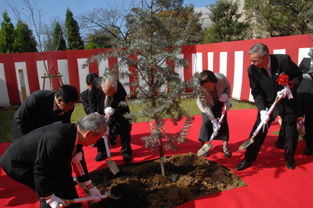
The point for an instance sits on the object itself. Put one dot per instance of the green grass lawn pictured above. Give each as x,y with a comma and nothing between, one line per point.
190,105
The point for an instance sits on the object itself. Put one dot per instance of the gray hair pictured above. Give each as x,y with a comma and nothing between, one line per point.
92,122
260,48
109,78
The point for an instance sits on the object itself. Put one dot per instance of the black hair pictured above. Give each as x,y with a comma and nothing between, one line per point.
207,76
90,77
67,93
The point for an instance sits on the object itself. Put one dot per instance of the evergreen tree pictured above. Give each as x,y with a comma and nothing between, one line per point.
279,17
58,39
153,53
74,40
24,39
225,23
183,14
99,39
7,35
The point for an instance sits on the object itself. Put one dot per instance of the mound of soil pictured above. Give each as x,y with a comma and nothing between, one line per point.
141,185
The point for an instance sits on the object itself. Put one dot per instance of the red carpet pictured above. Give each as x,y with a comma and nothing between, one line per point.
270,182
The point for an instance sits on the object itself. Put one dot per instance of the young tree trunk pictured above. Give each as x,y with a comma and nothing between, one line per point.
157,123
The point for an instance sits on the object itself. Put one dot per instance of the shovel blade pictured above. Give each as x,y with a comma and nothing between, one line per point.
246,144
113,167
204,149
109,194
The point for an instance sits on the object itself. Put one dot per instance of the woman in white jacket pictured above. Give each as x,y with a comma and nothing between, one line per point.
216,93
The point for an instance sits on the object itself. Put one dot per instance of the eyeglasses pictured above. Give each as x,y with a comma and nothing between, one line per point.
257,61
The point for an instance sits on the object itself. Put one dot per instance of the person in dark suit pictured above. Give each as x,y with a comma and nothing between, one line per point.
305,67
263,75
305,93
42,159
44,107
111,90
84,95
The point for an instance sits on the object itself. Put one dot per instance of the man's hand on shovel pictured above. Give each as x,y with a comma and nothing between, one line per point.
263,122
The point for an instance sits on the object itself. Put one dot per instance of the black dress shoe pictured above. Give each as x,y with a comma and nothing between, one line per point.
308,151
279,145
101,156
290,164
127,158
227,154
243,165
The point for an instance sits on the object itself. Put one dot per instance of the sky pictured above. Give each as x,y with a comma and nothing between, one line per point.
56,9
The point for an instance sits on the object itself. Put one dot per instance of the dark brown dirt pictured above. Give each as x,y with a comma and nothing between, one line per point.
142,185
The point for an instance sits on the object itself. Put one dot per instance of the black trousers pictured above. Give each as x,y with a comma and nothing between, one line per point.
307,110
206,129
123,131
290,132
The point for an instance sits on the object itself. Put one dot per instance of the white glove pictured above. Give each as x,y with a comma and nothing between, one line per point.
95,192
54,201
264,116
216,125
223,97
228,103
109,111
282,93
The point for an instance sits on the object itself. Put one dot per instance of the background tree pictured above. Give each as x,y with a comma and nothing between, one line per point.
7,35
183,14
30,13
226,23
58,39
24,40
111,20
98,39
74,40
279,17
153,55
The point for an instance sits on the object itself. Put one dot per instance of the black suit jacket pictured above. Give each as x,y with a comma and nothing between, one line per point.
96,101
305,66
35,112
264,88
42,157
84,95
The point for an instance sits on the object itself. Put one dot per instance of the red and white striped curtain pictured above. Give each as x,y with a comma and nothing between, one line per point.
21,74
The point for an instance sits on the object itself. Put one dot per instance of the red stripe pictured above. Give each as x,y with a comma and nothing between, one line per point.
290,43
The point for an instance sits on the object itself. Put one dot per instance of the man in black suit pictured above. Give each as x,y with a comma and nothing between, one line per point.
84,95
114,91
44,107
305,93
305,67
263,75
42,159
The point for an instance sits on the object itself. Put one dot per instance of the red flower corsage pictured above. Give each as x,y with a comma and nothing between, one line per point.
283,79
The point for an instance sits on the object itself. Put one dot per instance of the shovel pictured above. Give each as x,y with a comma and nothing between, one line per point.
111,164
207,146
86,199
262,123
